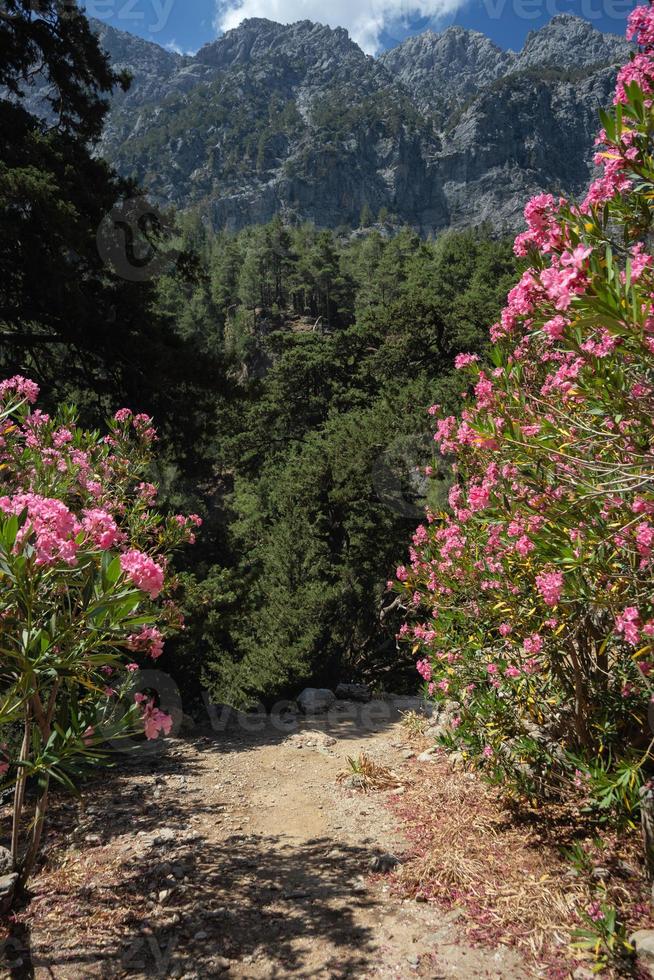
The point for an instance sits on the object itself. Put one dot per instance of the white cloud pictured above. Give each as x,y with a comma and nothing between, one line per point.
176,48
364,19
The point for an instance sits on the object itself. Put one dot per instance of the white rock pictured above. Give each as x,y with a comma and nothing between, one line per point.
7,889
643,940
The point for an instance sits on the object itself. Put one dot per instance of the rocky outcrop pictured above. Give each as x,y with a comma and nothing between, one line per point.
444,130
442,69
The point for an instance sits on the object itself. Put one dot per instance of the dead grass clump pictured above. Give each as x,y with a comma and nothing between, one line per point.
366,774
414,723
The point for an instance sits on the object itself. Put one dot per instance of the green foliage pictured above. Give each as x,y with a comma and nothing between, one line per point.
339,346
604,936
289,368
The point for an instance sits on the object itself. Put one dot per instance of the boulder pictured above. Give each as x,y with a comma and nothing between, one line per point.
354,692
7,889
6,862
643,942
316,700
383,863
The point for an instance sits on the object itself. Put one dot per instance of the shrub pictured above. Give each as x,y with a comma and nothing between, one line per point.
84,586
532,597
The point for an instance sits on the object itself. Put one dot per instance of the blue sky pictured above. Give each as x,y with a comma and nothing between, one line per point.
185,25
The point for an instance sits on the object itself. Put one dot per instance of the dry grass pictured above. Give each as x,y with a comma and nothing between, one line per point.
508,874
414,723
370,774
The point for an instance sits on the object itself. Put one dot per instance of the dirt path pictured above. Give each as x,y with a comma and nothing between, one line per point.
239,854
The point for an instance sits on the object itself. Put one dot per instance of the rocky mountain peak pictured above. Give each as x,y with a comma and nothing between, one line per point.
126,50
447,65
571,42
256,39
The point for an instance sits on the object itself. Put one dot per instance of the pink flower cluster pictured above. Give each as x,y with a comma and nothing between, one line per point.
154,720
49,525
143,571
101,528
149,640
19,387
550,586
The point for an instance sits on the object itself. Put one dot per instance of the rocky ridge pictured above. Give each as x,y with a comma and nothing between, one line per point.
444,130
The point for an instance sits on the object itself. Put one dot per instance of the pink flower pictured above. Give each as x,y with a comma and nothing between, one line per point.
550,586
512,672
478,497
19,387
640,25
533,643
123,415
101,528
147,492
505,629
555,328
487,752
594,912
628,623
149,640
143,572
54,527
154,720
463,360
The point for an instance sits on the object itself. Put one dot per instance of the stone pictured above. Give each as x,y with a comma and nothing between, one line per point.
355,781
383,863
316,700
311,740
429,755
6,861
354,692
7,889
164,836
643,942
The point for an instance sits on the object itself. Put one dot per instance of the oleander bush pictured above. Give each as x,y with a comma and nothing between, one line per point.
85,597
531,598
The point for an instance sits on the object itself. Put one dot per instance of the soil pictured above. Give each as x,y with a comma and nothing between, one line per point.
239,853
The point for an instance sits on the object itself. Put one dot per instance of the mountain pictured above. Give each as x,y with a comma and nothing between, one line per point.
444,130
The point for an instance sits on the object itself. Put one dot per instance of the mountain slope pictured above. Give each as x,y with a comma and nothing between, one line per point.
444,130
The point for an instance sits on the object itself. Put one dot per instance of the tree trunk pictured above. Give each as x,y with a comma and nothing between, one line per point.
19,791
28,862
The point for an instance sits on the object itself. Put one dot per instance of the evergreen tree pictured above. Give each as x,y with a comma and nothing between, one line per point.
59,304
